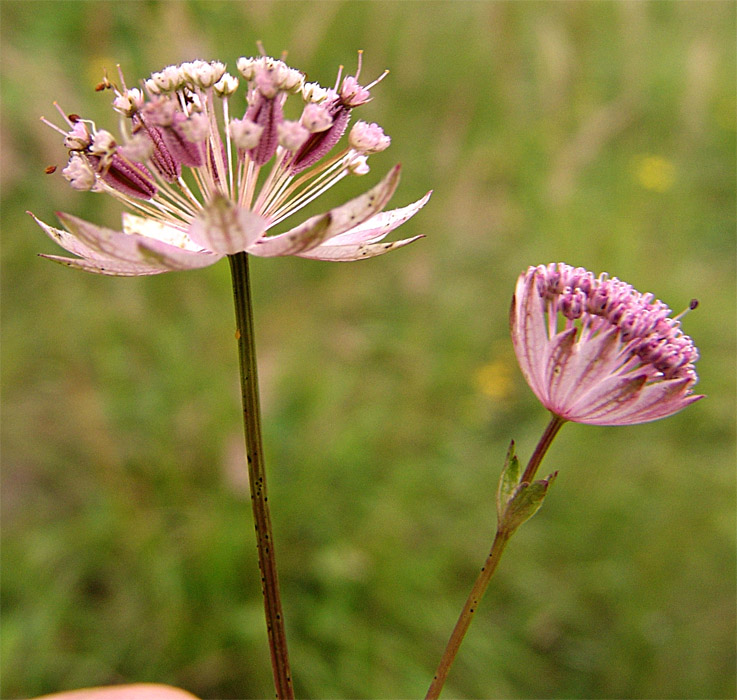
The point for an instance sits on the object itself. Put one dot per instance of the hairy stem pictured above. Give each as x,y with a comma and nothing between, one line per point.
257,476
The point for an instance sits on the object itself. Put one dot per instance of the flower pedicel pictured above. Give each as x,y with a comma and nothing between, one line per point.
227,203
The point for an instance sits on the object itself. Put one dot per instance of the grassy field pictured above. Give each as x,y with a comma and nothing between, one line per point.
601,134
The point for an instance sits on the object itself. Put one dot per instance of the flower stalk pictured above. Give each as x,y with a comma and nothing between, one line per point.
464,620
555,424
518,499
257,476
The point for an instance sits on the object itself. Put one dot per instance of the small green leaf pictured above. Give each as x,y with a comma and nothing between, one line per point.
524,503
508,481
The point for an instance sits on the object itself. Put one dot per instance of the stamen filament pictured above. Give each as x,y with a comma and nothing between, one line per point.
319,172
292,207
306,196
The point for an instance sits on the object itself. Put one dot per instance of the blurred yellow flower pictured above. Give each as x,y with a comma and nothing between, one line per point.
494,379
655,173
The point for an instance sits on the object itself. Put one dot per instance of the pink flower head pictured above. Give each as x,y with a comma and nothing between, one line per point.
200,183
594,350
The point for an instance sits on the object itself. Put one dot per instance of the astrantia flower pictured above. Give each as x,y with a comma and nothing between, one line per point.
200,184
594,350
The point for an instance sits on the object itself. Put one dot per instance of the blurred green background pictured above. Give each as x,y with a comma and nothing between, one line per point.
600,134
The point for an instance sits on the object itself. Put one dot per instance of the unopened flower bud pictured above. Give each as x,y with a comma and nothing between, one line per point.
151,87
368,138
280,73
291,135
103,143
316,118
247,67
285,78
129,102
314,92
78,138
196,128
79,173
203,74
168,79
245,133
226,86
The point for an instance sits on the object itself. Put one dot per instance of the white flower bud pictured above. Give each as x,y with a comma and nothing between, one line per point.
226,86
368,138
314,92
103,143
151,87
247,66
245,133
78,138
129,102
196,128
316,118
168,79
79,173
201,73
291,135
285,78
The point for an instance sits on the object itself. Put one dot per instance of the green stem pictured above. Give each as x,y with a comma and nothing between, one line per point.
464,620
555,424
257,476
487,570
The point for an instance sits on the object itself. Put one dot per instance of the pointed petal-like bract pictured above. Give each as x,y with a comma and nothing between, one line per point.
350,231
604,367
224,227
111,252
378,226
173,258
529,337
361,208
351,253
303,237
67,241
107,267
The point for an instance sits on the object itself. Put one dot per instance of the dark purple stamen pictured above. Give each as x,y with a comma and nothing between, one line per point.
162,159
180,148
320,143
128,177
268,113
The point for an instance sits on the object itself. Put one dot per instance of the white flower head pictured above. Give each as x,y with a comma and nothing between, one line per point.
201,183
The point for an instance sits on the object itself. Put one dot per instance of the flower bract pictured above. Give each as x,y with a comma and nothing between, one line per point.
594,350
199,183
